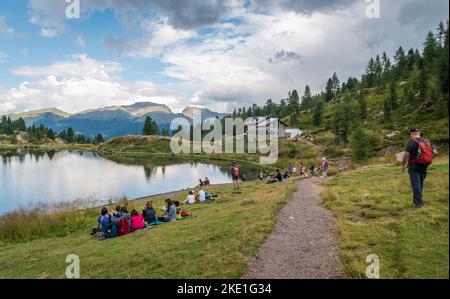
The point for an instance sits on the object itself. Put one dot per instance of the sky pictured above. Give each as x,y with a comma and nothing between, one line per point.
219,54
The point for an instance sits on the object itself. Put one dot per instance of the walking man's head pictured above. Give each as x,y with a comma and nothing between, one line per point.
414,133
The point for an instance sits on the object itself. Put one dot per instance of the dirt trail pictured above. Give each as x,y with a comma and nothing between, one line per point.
303,243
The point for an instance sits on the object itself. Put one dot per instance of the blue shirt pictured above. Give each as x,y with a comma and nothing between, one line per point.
104,222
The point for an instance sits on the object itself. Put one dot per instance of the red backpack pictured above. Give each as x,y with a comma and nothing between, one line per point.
124,227
425,152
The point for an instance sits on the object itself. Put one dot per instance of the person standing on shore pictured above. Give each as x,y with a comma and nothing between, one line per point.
234,167
418,156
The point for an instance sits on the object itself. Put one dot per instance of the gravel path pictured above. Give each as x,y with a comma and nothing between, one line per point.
303,243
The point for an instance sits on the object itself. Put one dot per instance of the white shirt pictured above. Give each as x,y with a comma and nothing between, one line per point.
201,196
190,199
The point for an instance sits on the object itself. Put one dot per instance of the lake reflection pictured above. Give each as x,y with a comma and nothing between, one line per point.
55,176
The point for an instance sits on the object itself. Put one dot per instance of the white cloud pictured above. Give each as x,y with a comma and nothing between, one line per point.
5,29
266,55
3,57
235,66
78,84
157,38
49,32
256,56
80,41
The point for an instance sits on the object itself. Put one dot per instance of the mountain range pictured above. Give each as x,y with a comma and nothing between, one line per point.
110,121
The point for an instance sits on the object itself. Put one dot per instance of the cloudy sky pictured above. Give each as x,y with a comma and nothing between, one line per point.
213,53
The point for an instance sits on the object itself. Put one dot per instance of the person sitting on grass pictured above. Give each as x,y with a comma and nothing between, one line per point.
170,210
117,213
179,209
149,213
137,221
206,182
210,196
286,175
261,175
103,222
278,175
106,227
126,215
276,178
190,199
201,195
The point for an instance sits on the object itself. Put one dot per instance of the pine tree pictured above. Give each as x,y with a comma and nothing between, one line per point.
150,127
441,34
99,138
409,96
51,134
362,105
423,82
400,61
329,96
393,98
318,113
70,135
20,125
306,99
370,73
336,84
378,70
387,112
360,144
294,102
430,50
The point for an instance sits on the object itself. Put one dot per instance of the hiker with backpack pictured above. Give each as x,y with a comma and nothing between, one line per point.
234,167
418,156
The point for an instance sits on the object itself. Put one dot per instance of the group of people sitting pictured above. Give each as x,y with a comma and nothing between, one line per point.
277,177
206,182
200,197
120,222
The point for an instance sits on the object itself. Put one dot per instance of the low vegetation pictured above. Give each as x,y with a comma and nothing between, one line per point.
375,215
217,243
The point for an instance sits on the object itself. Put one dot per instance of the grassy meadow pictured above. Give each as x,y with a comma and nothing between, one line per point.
375,215
217,243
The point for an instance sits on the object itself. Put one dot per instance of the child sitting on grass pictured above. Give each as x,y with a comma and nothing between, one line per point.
181,214
137,221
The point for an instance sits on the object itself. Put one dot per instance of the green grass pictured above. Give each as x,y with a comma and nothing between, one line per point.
376,216
218,243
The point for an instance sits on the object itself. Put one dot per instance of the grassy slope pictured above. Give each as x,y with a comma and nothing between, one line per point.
376,215
218,243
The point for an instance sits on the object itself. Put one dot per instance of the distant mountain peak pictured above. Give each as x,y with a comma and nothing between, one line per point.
142,108
39,112
206,113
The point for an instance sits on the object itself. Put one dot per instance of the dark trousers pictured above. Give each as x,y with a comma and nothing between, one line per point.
417,178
